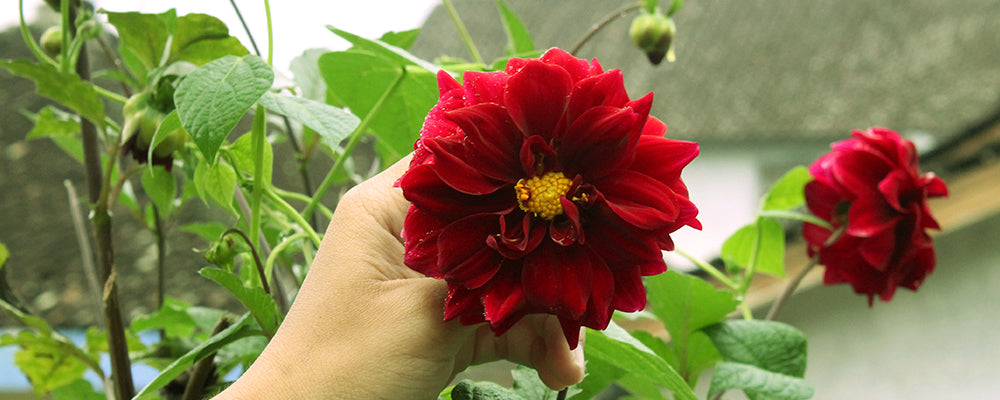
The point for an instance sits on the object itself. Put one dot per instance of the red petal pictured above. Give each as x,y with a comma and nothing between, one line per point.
602,295
459,248
606,89
455,171
639,199
630,294
822,200
428,192
934,186
869,215
420,234
446,83
603,141
571,329
558,278
654,127
536,97
618,242
577,68
504,302
494,141
568,231
519,235
663,159
484,87
463,303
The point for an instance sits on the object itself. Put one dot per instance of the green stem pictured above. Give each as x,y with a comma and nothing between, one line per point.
110,95
285,194
792,215
708,268
271,258
353,139
257,148
30,40
270,33
745,309
64,62
464,33
790,289
290,211
602,23
255,254
754,256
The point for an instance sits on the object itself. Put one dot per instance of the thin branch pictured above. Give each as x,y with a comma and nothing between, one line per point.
203,370
246,28
463,32
790,289
86,255
256,257
602,23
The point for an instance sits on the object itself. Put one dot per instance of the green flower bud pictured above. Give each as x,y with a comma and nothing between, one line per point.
52,41
653,34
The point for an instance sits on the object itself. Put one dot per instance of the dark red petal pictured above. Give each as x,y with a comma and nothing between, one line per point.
571,329
464,304
536,97
494,142
603,140
822,200
455,171
934,186
654,127
567,231
606,89
577,68
878,250
519,235
559,278
422,187
446,83
460,242
420,235
484,87
630,295
859,171
504,301
603,292
618,242
537,156
870,215
476,269
894,187
642,105
639,199
663,159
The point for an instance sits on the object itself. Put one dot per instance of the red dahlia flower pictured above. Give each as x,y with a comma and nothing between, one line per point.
543,189
872,184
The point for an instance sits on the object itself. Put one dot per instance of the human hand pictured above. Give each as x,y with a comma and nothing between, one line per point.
365,326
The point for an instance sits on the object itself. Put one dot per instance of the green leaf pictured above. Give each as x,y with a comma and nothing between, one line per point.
518,38
685,304
172,317
358,79
788,192
212,99
757,383
44,360
469,390
528,385
79,389
260,304
333,124
160,186
773,346
616,347
51,121
305,69
169,124
738,248
4,254
243,157
209,231
200,38
64,87
384,50
239,329
650,5
142,38
401,39
216,183
600,375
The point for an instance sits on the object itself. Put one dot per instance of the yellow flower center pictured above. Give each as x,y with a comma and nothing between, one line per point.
540,195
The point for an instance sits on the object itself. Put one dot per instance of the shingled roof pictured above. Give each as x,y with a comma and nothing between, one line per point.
751,71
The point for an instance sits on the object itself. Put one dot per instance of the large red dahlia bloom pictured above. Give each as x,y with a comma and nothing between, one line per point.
543,189
872,184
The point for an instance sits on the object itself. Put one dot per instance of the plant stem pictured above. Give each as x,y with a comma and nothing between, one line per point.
602,23
351,142
754,256
790,288
258,137
562,394
87,255
161,255
203,369
792,215
98,188
708,268
246,28
290,211
464,33
30,40
256,257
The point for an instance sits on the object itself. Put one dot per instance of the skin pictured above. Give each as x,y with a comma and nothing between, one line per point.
364,326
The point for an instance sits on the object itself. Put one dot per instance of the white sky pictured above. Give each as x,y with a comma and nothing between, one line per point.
297,24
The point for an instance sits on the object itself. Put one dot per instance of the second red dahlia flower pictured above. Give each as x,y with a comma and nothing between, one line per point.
543,189
870,186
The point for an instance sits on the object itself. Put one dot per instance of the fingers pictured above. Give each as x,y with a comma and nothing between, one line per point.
379,198
536,341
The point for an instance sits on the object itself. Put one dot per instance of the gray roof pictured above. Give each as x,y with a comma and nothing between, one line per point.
779,70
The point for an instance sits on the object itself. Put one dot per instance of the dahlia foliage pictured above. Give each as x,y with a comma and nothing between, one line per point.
871,188
543,188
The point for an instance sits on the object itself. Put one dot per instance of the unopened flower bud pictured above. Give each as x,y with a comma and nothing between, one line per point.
653,34
51,41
